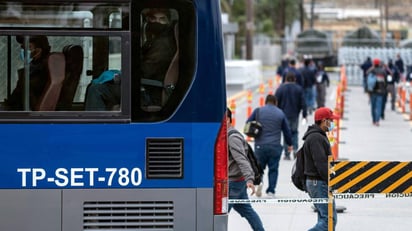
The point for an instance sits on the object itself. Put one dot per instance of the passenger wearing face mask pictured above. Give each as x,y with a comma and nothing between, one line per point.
37,54
316,149
157,53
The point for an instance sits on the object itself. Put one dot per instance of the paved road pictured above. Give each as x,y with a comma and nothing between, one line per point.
359,141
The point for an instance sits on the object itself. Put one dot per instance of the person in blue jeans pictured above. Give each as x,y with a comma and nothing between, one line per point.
268,147
378,91
316,149
241,175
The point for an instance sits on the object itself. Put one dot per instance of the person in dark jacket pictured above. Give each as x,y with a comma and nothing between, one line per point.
291,99
309,81
316,151
392,78
377,93
400,65
38,53
241,175
322,82
292,68
365,67
268,147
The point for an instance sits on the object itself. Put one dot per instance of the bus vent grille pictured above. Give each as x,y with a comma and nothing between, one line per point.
164,158
128,215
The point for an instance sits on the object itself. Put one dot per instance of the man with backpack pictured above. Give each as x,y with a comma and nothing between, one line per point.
241,175
316,150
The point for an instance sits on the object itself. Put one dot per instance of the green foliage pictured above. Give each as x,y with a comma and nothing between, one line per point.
267,14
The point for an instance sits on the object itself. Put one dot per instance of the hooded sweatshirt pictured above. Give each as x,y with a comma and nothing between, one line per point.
316,151
239,164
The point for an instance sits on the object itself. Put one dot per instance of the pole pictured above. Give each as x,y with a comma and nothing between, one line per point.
330,196
249,29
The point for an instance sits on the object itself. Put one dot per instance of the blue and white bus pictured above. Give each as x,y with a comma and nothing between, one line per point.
130,166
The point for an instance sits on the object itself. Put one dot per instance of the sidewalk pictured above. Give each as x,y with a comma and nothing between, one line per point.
359,140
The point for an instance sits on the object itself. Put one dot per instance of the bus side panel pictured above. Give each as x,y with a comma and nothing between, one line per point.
163,209
26,210
204,220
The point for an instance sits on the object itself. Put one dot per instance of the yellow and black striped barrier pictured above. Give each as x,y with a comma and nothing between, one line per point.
371,177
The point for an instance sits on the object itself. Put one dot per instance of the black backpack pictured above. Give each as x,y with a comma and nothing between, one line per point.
257,169
298,175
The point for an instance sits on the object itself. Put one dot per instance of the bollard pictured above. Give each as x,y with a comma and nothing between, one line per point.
249,103
410,106
233,109
270,85
262,97
403,100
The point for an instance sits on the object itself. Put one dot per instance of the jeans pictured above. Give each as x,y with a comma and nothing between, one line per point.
310,98
293,125
269,154
376,106
100,96
319,189
237,190
390,89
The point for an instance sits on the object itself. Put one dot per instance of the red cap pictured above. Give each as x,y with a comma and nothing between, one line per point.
376,62
324,113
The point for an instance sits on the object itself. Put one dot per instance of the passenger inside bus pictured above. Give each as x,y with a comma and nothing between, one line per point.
37,53
157,53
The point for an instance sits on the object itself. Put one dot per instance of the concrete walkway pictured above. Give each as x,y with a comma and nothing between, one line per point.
360,140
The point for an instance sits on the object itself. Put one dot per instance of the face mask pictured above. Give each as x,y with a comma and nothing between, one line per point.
331,126
156,28
22,53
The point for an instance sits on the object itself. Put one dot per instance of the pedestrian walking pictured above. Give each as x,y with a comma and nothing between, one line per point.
292,68
309,81
241,175
400,65
268,147
378,91
392,78
365,67
322,82
316,149
291,99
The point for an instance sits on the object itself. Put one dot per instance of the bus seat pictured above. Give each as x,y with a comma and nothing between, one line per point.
172,73
171,77
56,65
73,70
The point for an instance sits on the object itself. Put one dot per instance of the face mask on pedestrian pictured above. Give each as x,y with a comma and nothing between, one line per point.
331,125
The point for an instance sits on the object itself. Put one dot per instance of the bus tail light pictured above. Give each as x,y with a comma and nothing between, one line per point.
221,171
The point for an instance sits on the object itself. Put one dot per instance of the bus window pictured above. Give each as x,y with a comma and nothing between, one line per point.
164,81
76,68
159,57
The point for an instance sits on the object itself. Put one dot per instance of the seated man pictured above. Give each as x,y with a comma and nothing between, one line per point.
157,53
38,52
104,91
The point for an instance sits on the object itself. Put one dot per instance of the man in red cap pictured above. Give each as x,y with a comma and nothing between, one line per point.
316,149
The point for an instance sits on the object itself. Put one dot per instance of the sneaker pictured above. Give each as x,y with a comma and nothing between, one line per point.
270,195
259,190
